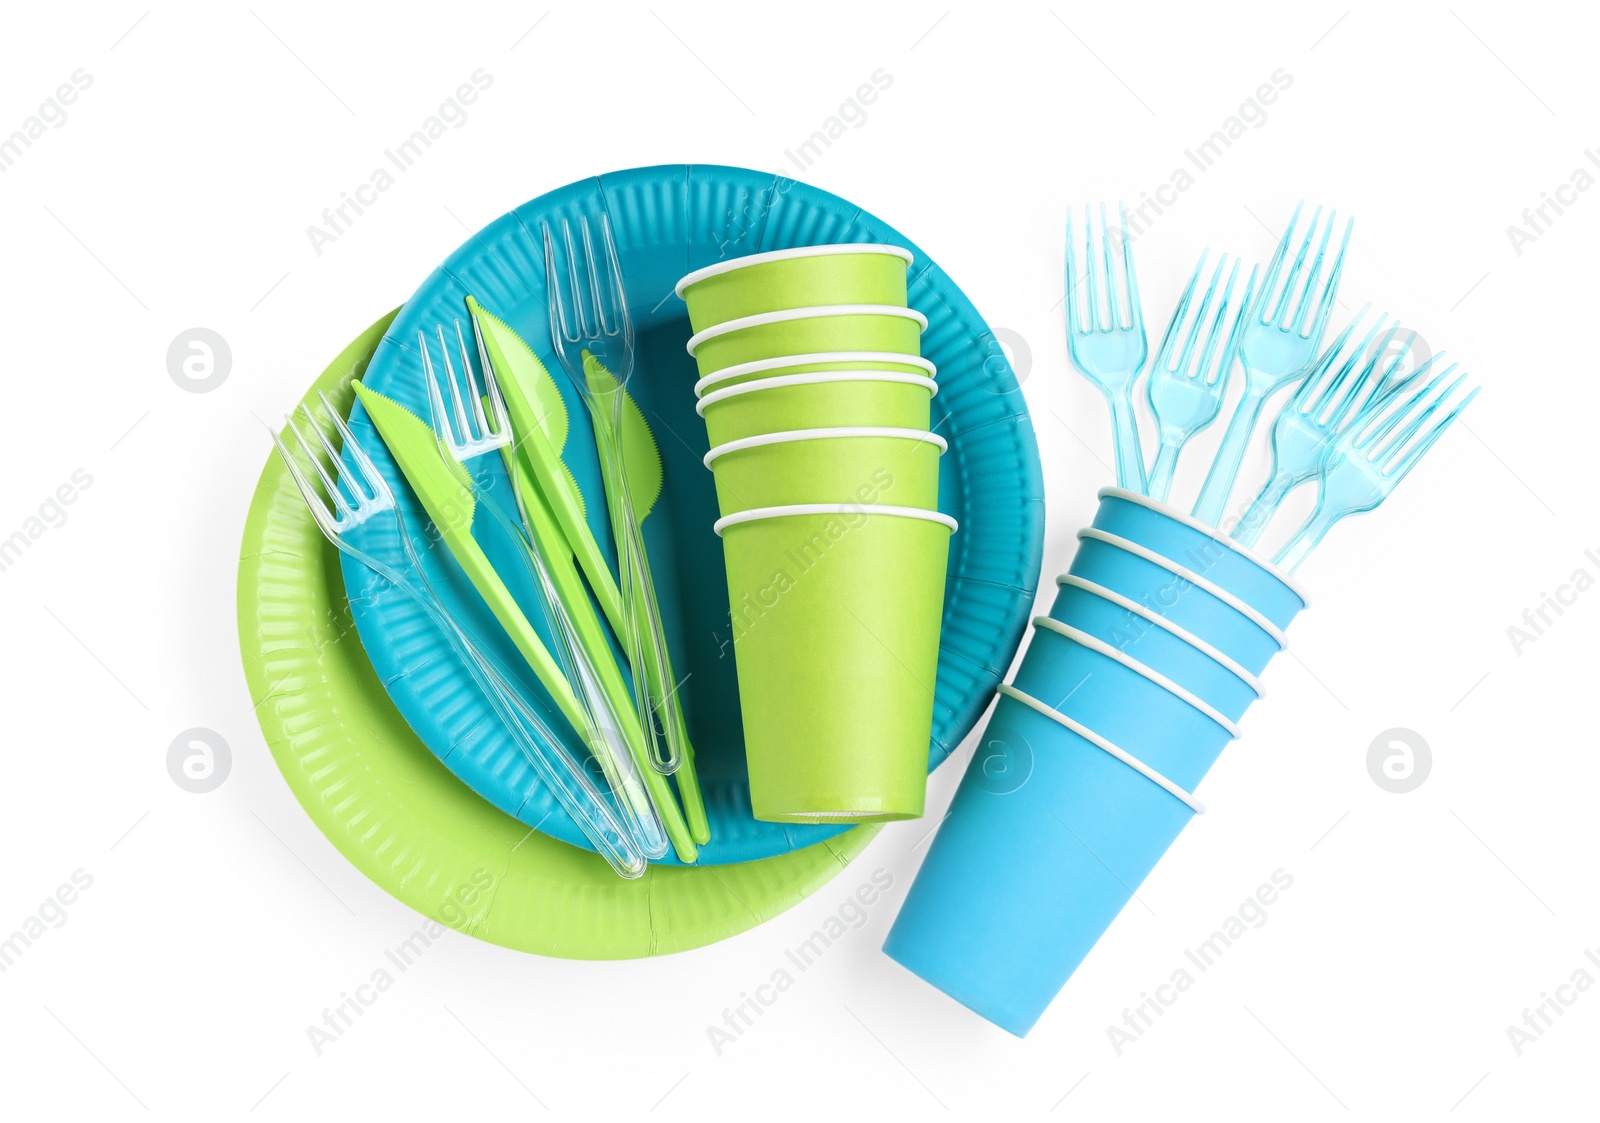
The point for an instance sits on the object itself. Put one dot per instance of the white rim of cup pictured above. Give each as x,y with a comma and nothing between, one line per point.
818,377
877,248
1150,674
1100,742
1168,626
785,436
1211,532
1189,575
813,359
815,311
757,513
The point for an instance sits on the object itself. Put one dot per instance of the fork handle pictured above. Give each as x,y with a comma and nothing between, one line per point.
1166,465
1130,461
1230,455
1308,537
481,572
1266,503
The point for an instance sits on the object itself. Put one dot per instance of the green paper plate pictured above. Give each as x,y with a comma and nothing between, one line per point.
404,820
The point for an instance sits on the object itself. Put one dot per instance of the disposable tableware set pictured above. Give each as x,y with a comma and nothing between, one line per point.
567,656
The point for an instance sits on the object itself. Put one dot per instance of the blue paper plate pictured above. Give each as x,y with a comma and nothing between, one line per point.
668,221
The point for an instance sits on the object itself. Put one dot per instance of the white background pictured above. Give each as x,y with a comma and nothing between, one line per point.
218,927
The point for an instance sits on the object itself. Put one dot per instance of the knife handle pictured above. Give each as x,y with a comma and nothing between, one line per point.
466,551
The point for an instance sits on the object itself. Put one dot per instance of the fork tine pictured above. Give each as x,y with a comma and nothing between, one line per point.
1343,393
559,329
1397,470
335,496
578,303
463,425
1330,290
1179,315
1395,363
1093,285
341,475
1303,308
1270,283
370,476
597,306
473,390
623,324
1393,410
1313,394
1241,317
437,413
1074,294
1291,280
491,385
1113,308
1371,352
607,295
1214,328
1135,312
308,491
1391,448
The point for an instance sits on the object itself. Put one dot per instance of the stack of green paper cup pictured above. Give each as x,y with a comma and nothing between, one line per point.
817,404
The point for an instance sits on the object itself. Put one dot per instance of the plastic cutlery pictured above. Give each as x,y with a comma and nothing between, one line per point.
589,320
1368,460
1342,383
476,425
359,496
1282,336
1185,389
539,421
1108,347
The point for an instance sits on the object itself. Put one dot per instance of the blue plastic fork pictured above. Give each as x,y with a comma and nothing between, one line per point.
1185,391
1368,460
1281,339
1110,349
1330,399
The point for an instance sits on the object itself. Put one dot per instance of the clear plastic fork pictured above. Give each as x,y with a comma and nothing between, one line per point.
357,494
1108,347
1185,389
1367,461
1281,339
591,332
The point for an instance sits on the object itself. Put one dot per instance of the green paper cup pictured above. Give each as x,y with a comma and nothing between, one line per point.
835,612
821,400
800,331
816,363
795,278
863,465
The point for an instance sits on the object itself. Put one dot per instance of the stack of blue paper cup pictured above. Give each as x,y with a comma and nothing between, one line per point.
1085,775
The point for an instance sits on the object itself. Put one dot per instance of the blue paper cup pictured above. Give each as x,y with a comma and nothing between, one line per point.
1021,881
1085,775
1173,591
1201,550
1154,641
